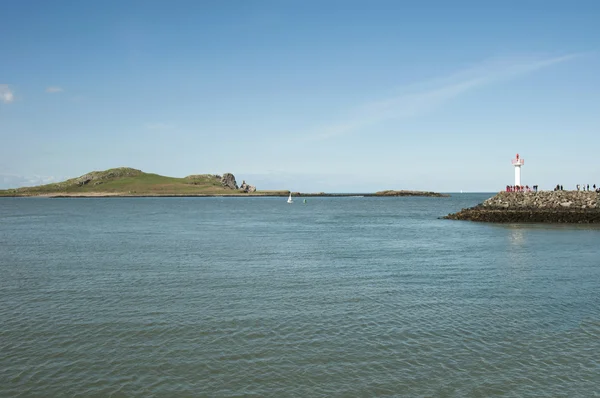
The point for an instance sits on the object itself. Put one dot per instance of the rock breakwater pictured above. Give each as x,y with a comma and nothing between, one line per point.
535,207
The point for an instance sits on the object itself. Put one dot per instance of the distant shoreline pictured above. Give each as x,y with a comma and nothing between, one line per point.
127,182
382,194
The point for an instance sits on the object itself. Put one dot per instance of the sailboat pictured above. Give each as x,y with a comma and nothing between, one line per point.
290,199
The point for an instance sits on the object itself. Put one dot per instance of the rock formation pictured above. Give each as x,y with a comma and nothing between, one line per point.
247,188
101,176
228,180
546,206
411,193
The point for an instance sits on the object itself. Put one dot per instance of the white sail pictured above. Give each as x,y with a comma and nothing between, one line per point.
290,199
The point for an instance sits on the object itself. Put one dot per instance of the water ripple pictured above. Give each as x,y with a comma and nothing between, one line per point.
354,298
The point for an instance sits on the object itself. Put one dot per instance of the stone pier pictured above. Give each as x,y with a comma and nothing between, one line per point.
535,207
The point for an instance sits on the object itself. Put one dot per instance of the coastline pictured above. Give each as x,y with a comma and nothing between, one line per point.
559,207
133,183
230,195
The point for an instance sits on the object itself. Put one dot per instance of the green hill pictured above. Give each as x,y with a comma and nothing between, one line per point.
125,181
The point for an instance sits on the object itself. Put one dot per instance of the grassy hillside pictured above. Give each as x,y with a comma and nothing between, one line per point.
128,181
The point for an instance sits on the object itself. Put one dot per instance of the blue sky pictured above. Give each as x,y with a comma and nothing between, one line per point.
342,96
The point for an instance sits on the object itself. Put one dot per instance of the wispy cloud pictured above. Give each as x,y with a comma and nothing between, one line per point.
54,89
159,126
426,96
6,94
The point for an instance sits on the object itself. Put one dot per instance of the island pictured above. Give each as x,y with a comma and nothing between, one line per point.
130,182
535,207
412,193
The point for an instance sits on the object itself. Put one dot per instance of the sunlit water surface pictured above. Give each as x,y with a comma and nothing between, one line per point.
229,297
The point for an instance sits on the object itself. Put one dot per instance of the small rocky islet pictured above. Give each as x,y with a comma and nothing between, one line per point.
580,207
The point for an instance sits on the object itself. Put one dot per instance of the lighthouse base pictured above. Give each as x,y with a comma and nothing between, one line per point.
518,176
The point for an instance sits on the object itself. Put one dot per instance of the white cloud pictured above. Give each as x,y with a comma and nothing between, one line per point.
426,96
6,94
54,89
159,126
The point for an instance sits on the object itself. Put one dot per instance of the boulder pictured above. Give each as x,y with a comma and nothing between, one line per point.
228,181
84,180
247,188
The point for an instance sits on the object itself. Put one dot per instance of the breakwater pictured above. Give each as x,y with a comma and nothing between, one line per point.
535,207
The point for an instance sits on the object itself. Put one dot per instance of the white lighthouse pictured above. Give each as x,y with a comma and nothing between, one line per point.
518,162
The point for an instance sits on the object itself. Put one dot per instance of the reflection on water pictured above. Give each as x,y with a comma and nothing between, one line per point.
548,227
516,236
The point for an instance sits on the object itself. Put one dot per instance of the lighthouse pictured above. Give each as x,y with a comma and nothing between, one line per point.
518,162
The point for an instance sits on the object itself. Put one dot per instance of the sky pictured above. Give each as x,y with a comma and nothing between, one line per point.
327,95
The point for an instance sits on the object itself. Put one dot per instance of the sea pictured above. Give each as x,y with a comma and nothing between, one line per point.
255,297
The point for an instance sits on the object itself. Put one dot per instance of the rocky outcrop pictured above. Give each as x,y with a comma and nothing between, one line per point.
411,193
247,188
100,176
228,181
545,207
369,195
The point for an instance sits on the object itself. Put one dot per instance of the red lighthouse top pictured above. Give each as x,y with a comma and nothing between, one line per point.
518,161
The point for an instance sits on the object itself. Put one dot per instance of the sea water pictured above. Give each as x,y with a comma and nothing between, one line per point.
230,297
